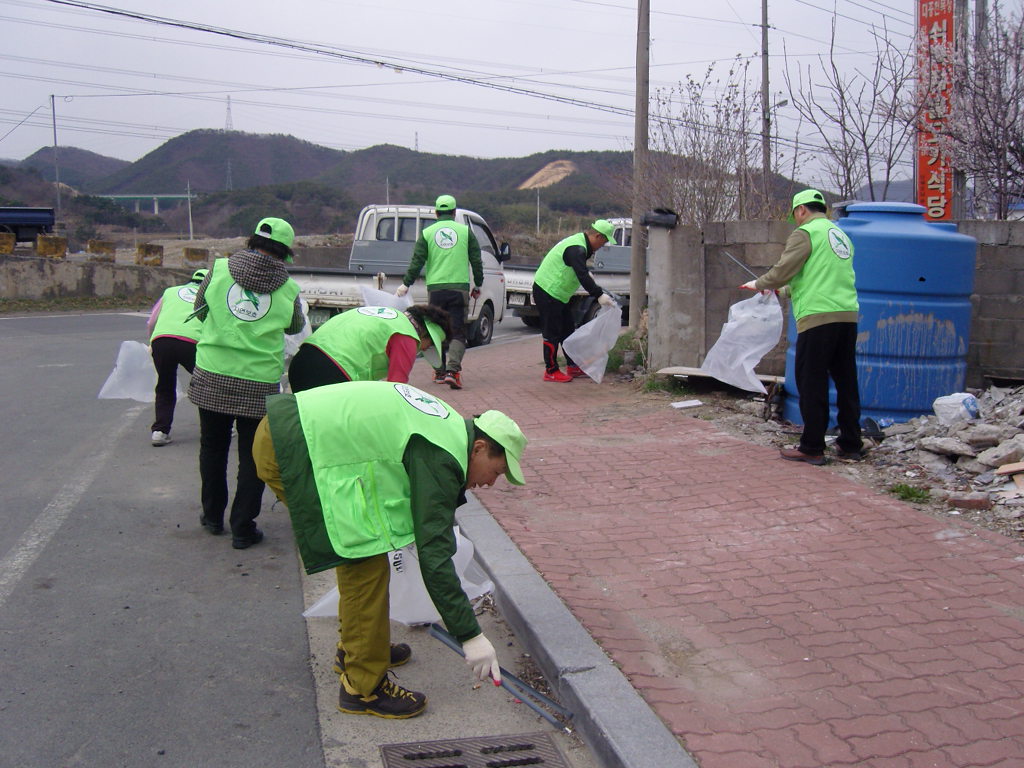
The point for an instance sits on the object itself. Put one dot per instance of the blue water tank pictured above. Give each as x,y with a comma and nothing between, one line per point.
914,284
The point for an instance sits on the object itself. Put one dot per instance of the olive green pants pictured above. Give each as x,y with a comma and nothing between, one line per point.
364,627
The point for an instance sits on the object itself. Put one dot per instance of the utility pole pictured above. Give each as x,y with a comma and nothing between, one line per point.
766,116
188,197
638,254
56,165
538,210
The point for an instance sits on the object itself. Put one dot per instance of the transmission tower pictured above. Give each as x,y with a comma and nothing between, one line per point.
227,121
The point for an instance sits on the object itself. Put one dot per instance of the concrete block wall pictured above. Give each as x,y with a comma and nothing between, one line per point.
52,246
996,349
7,242
195,257
34,277
101,250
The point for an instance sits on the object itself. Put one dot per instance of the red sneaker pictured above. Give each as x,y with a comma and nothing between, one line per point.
453,379
575,371
557,375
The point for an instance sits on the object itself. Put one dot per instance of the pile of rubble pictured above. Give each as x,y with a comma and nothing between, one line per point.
972,463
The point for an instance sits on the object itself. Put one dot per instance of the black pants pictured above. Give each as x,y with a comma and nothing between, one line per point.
556,325
454,303
312,367
828,351
168,353
214,444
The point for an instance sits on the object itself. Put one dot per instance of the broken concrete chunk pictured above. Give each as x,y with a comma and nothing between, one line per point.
947,446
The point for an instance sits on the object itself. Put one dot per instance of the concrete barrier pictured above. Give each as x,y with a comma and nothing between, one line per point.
7,242
149,255
195,257
35,277
101,250
52,246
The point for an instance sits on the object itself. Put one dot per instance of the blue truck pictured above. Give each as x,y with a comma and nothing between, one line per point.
26,223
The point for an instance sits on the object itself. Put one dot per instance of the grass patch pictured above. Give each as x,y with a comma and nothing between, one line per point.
74,304
905,492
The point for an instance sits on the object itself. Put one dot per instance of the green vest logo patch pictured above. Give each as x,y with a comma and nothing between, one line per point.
247,305
385,312
840,245
446,238
423,402
187,293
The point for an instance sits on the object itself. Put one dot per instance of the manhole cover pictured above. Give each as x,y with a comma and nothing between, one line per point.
477,752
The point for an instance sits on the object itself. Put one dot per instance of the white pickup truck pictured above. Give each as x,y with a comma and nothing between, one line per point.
610,270
384,240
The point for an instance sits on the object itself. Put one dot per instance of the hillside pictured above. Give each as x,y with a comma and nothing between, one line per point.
79,168
203,160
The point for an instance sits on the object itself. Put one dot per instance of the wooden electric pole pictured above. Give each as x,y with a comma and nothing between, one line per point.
766,117
638,254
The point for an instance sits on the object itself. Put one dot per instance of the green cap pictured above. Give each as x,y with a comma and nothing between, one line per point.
436,333
445,203
278,230
199,275
506,433
802,198
605,228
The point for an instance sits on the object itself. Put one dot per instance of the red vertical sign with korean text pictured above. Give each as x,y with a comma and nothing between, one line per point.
934,68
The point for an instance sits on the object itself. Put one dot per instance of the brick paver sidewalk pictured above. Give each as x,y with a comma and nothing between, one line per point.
772,613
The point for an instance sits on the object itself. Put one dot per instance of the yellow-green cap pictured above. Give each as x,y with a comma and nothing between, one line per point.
278,230
199,275
802,198
605,228
506,433
445,203
436,333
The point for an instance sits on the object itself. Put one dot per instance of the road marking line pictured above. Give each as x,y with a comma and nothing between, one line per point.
34,540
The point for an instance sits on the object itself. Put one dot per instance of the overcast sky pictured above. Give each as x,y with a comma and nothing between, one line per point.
125,86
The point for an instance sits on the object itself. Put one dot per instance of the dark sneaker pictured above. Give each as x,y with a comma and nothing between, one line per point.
244,542
216,529
439,376
453,379
388,699
851,455
795,454
575,371
400,653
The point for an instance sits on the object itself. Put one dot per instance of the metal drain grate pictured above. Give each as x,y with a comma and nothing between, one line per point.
478,752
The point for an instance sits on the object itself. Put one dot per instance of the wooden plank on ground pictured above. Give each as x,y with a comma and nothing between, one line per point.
1011,469
682,370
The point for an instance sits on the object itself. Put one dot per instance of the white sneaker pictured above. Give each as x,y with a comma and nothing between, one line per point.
160,438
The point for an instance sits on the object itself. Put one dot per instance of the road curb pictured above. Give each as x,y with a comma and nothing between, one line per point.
616,723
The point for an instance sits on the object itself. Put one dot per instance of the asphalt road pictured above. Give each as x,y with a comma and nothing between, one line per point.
131,637
128,636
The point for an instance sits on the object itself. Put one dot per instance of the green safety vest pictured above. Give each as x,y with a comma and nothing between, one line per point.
177,303
357,340
556,277
355,437
447,253
826,281
243,335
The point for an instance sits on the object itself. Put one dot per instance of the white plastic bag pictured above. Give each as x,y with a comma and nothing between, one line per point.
410,603
590,344
133,377
753,329
959,406
374,298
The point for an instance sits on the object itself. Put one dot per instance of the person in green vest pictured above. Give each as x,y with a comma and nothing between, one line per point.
366,468
173,333
562,272
368,344
246,304
449,250
817,265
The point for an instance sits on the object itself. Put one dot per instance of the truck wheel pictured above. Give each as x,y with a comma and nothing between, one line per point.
482,330
531,321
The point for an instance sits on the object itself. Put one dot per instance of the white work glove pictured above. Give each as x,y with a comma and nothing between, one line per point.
481,658
402,290
749,285
605,300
